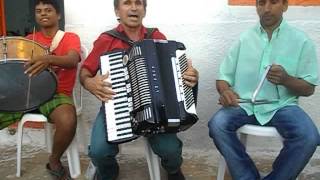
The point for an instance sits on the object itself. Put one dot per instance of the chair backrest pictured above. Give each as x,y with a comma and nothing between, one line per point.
77,90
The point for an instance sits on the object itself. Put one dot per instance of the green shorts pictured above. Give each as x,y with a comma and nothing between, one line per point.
7,118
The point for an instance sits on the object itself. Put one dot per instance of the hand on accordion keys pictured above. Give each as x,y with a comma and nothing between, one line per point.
191,75
100,87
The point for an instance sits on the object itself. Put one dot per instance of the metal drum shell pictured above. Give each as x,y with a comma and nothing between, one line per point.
19,48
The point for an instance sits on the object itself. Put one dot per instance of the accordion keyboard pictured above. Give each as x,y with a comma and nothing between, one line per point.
118,109
186,91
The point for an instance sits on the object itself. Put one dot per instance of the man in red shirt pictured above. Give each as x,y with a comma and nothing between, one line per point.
64,57
130,14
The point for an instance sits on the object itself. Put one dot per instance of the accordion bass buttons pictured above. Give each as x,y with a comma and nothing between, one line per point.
154,75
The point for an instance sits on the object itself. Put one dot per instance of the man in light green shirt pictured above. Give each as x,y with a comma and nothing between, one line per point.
285,57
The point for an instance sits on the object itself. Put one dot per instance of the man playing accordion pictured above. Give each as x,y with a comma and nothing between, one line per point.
168,147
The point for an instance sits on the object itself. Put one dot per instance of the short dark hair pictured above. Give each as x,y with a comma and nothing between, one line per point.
283,1
116,4
54,3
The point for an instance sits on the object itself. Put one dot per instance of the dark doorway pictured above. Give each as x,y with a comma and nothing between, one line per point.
19,16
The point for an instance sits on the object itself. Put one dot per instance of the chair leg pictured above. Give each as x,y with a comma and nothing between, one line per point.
72,152
73,159
19,146
221,168
48,136
243,138
153,162
82,134
91,171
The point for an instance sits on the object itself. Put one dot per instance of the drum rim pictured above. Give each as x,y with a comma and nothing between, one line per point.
22,60
13,60
25,39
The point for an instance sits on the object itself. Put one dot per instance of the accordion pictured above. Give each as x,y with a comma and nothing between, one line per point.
151,96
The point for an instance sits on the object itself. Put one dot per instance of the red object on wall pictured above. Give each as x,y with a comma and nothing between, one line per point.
2,19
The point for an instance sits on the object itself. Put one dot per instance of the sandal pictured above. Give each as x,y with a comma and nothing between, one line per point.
60,174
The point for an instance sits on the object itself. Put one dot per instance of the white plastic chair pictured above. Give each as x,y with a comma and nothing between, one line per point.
153,161
243,132
84,54
72,151
77,99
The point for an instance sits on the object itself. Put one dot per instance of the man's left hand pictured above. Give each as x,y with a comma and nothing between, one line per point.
277,75
36,65
191,75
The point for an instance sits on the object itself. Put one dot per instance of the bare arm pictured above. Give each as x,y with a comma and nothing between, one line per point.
278,75
39,63
96,85
227,96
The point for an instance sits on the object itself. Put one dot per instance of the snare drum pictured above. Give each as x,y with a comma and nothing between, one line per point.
18,92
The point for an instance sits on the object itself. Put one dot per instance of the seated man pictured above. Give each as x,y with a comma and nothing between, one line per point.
293,73
63,58
102,153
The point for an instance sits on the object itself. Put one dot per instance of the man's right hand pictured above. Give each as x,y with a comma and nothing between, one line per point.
229,98
99,87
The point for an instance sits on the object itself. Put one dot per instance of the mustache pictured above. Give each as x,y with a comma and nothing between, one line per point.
266,15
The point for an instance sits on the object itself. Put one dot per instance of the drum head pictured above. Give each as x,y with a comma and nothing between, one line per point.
14,85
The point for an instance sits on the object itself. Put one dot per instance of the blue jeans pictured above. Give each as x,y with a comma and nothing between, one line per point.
167,146
300,135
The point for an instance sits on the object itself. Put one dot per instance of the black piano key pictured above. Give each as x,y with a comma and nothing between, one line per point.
120,112
124,122
122,134
121,107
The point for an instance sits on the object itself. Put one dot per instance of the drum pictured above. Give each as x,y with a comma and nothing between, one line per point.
18,92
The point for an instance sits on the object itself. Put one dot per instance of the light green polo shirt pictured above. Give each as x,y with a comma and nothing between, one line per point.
248,57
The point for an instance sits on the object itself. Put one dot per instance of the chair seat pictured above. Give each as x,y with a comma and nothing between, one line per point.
33,117
256,130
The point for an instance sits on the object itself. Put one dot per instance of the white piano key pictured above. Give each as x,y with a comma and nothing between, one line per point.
126,125
120,100
123,115
117,75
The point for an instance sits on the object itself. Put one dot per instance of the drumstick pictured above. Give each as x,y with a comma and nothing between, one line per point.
29,80
33,35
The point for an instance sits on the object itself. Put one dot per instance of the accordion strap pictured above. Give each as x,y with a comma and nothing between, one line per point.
150,32
114,33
